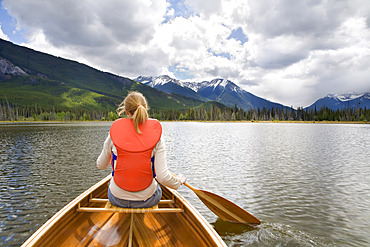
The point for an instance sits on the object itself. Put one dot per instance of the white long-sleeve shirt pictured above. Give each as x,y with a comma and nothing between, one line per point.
163,175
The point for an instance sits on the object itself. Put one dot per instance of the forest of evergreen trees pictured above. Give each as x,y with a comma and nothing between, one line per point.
213,113
282,114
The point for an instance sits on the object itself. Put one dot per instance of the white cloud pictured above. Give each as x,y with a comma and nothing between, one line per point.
94,23
323,71
320,49
278,52
165,71
205,7
114,36
297,51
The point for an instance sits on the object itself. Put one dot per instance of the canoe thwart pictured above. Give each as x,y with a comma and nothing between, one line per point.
130,210
103,200
111,208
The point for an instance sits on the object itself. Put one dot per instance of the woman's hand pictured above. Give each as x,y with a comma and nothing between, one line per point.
182,178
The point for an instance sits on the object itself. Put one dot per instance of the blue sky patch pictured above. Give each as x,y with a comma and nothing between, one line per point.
8,26
180,9
238,34
181,73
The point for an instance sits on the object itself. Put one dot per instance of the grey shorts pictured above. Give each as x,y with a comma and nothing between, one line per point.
150,202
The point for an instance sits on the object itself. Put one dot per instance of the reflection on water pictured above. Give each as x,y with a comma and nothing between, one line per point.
307,183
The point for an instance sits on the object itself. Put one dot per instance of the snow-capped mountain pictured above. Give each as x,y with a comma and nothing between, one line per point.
214,84
220,90
157,81
192,85
346,96
228,93
342,101
169,85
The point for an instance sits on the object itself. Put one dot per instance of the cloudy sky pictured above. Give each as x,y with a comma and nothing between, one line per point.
291,52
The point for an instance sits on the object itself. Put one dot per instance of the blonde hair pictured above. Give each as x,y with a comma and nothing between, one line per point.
136,104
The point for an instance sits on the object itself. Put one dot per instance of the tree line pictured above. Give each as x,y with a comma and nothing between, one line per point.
264,114
213,113
15,113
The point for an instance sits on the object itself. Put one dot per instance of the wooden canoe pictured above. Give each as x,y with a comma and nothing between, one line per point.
86,221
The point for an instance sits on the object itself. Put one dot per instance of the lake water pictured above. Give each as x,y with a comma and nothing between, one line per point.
307,183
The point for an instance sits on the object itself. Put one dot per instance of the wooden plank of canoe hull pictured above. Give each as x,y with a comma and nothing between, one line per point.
148,230
113,233
111,229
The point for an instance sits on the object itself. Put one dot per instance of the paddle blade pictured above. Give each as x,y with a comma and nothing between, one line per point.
225,209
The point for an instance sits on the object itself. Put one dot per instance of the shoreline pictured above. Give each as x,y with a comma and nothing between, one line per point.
277,122
200,121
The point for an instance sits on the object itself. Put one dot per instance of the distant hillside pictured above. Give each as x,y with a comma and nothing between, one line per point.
343,101
29,78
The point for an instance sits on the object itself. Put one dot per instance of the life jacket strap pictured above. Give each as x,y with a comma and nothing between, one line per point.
114,158
153,169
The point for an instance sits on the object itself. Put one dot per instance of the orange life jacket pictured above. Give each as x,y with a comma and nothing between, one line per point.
133,171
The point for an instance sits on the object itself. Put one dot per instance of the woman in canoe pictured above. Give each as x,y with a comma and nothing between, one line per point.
137,153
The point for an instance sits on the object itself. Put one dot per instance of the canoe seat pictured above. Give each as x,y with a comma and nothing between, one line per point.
111,208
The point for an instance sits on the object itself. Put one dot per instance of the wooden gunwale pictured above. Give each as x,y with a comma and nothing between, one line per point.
55,227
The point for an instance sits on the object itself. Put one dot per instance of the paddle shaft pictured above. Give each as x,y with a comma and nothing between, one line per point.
190,187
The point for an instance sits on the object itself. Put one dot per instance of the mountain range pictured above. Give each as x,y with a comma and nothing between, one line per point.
229,94
29,78
219,90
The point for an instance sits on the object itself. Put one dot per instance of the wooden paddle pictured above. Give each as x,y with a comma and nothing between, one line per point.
223,208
